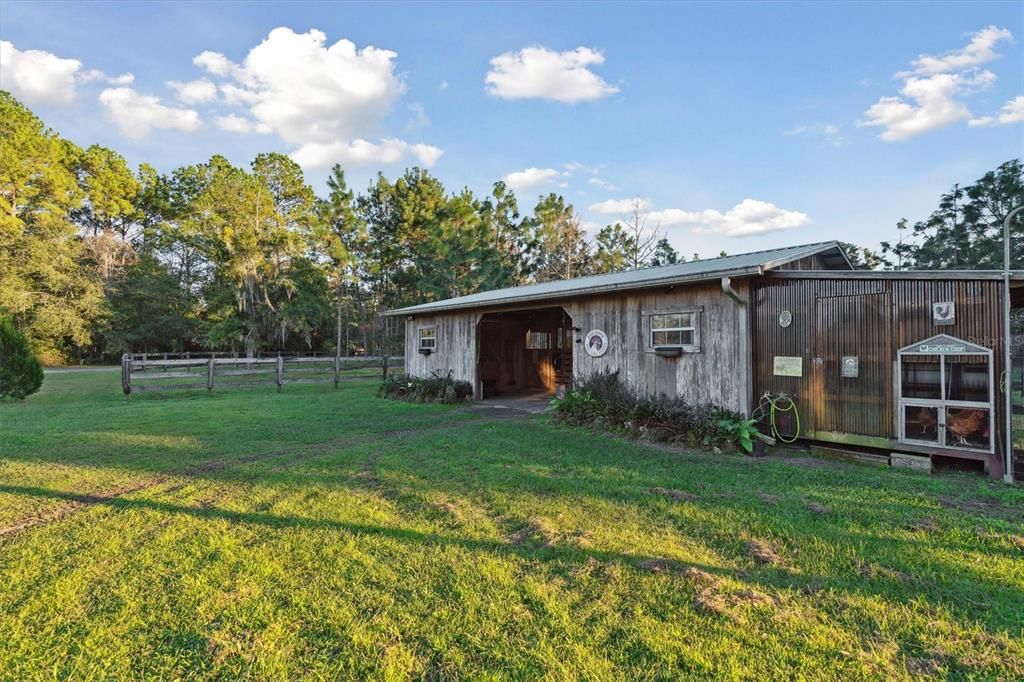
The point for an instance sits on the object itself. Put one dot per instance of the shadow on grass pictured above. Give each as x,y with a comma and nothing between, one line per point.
890,587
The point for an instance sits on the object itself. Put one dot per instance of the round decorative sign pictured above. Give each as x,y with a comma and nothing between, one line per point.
785,318
596,343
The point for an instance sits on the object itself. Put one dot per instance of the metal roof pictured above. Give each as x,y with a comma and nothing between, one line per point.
740,265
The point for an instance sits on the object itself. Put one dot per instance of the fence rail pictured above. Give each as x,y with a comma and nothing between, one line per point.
160,372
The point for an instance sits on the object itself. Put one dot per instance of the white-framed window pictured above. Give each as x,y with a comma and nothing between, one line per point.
675,329
428,338
538,340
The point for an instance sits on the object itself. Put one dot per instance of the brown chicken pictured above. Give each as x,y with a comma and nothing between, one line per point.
926,418
965,423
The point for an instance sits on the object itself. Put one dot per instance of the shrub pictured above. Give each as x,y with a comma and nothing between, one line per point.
21,374
437,388
603,401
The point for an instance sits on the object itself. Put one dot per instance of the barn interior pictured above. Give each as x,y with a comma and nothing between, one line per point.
525,352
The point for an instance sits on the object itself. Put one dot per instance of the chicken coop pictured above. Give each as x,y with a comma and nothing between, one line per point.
907,362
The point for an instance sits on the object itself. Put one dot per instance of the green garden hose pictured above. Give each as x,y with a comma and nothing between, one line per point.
781,403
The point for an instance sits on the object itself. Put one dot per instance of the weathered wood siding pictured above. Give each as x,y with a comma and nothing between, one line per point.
456,346
719,373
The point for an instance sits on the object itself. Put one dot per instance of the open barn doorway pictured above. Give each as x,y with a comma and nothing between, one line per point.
524,353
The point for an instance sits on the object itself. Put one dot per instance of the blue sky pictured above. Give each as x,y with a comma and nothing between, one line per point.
741,126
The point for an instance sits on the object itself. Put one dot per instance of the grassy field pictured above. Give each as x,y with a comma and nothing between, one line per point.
327,534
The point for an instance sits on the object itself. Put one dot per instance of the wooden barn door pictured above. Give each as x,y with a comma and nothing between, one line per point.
852,365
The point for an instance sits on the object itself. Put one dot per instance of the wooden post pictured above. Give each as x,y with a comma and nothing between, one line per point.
209,375
280,373
126,375
337,370
385,367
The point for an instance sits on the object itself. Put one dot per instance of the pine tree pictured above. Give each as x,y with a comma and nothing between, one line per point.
21,374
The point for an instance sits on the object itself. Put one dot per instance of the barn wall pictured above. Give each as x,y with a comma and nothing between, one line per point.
456,346
868,318
720,373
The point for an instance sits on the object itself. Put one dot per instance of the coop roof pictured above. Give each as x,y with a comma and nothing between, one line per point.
740,265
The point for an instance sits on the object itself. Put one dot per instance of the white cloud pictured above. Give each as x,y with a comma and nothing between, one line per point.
619,206
749,217
531,177
932,93
136,115
36,76
236,96
829,132
932,104
363,153
234,123
602,184
540,73
194,92
326,99
97,75
308,91
1012,111
980,50
419,117
215,63
444,85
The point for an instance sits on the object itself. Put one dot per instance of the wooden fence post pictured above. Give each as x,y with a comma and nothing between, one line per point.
126,374
280,373
385,365
209,375
337,370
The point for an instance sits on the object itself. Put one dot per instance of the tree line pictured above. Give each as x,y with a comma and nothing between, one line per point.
97,259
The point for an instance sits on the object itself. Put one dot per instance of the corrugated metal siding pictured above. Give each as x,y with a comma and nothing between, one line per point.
905,319
858,326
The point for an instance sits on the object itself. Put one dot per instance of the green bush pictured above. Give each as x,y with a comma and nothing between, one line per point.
437,388
21,374
603,401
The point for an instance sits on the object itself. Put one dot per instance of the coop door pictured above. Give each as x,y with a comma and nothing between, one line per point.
947,394
852,366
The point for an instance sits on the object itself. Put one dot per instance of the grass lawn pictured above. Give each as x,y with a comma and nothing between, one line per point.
327,534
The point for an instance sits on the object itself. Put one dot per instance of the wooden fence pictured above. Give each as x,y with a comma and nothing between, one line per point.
160,372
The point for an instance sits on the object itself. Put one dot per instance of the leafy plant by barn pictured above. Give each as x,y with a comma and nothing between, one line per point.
603,401
437,388
21,374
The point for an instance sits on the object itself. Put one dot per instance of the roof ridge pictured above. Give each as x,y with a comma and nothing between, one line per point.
685,262
752,261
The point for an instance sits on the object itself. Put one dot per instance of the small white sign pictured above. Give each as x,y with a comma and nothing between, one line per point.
787,366
596,343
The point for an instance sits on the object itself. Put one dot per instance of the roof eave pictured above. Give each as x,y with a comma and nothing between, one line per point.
428,308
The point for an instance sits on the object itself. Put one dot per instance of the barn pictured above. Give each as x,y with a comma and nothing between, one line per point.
890,361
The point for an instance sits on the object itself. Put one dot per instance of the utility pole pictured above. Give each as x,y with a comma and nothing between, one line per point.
956,236
1007,350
